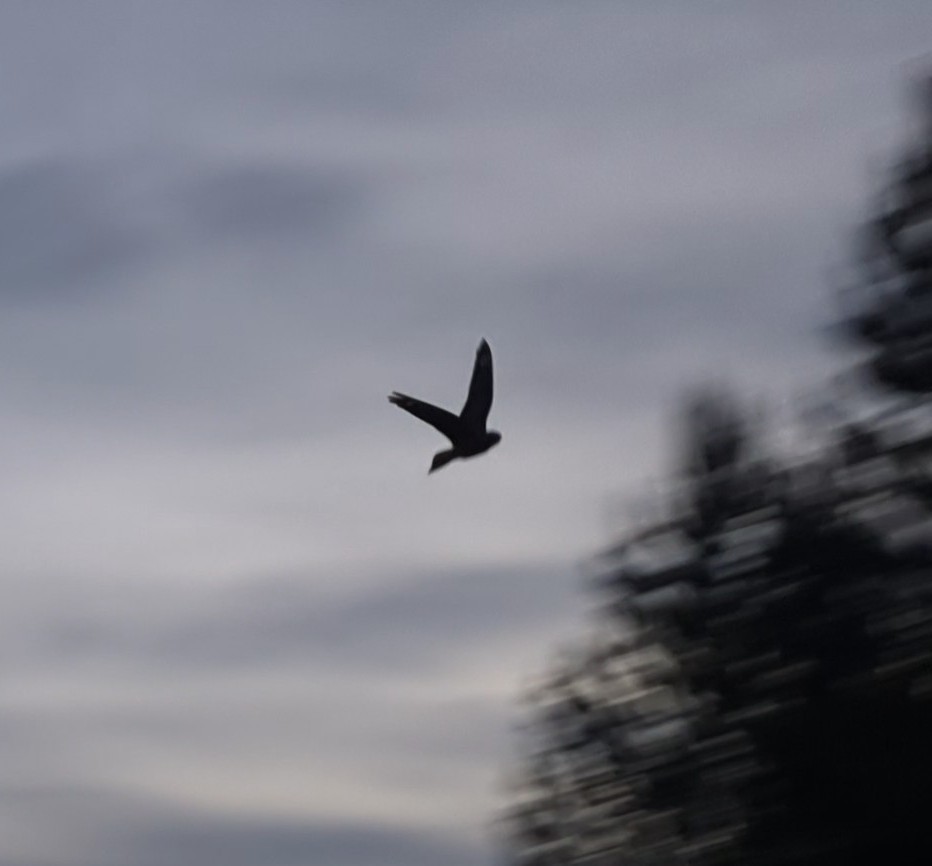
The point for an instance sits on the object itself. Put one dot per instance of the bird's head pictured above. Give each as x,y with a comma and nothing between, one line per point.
494,437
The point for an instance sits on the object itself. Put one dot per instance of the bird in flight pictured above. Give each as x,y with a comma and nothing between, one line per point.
467,432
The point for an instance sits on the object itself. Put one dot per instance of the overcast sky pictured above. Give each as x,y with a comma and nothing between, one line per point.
240,624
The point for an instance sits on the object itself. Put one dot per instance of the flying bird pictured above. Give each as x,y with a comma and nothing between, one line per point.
467,432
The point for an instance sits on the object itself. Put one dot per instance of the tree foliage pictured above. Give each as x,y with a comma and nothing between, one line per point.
757,686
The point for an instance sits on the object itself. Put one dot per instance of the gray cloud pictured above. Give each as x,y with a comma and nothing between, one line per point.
153,832
263,201
408,623
173,726
247,843
59,234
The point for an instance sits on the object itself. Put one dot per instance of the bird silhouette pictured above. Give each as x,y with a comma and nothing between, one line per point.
467,432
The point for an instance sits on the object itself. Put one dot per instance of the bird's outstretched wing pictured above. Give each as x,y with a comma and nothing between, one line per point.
479,401
446,422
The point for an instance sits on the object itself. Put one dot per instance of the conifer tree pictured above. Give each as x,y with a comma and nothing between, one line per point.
757,685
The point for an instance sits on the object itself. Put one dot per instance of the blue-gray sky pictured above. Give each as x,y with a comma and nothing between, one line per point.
240,624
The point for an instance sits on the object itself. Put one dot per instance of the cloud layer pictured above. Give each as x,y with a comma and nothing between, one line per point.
240,624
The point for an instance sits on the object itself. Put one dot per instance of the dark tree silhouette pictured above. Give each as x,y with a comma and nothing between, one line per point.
757,687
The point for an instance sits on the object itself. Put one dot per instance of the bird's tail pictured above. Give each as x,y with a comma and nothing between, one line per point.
441,458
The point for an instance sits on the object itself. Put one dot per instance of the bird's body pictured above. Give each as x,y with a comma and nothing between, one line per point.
467,431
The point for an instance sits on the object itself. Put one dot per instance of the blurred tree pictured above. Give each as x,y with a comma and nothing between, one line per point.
757,687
